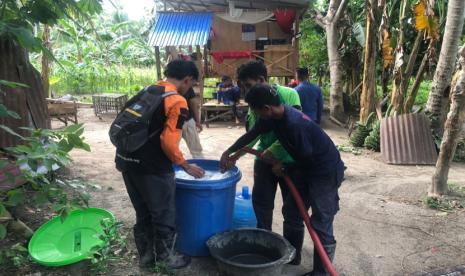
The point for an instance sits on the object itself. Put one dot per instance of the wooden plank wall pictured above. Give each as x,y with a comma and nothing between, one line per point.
228,37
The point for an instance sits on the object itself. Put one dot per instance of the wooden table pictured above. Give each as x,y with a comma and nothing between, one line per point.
62,110
108,103
223,110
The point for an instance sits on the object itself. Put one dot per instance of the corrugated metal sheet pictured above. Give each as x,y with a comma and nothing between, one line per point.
181,29
202,5
407,139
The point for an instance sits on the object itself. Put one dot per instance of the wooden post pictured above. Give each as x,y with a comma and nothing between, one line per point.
45,72
158,62
205,61
198,63
296,41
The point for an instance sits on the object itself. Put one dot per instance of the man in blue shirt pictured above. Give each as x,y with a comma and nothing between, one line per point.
229,94
318,170
310,95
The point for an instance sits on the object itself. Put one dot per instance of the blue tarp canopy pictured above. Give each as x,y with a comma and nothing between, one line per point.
181,29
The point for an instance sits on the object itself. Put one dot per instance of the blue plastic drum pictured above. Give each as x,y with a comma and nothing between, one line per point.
204,207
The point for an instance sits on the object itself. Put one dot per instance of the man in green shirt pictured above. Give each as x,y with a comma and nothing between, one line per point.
265,181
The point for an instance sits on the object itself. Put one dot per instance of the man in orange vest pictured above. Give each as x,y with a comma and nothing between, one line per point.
148,172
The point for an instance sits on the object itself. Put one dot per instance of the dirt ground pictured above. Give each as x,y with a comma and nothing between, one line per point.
383,228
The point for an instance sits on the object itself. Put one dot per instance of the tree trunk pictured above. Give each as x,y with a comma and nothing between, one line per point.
158,62
336,105
46,62
397,98
416,84
447,58
452,130
367,101
28,102
411,63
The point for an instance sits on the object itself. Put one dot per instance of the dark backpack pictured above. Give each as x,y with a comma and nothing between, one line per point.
130,130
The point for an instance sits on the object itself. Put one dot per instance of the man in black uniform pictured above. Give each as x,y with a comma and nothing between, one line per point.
317,172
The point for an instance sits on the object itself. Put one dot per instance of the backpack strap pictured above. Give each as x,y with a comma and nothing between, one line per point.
164,95
167,94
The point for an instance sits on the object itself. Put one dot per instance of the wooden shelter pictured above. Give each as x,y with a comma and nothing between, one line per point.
231,33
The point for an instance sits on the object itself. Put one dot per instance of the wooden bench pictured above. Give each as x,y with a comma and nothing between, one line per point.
62,110
221,110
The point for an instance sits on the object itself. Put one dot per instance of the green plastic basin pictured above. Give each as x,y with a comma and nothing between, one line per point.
58,244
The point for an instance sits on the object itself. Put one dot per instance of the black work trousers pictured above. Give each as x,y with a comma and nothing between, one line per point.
264,192
153,198
318,192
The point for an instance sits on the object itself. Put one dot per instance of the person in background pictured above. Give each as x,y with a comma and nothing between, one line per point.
193,126
310,95
265,182
229,94
149,176
225,85
317,173
293,83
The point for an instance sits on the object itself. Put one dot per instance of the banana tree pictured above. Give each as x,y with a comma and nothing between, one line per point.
367,101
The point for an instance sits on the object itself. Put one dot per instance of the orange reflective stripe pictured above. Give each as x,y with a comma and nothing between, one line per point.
171,134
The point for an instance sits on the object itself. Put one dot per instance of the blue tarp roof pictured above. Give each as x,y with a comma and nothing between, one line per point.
181,29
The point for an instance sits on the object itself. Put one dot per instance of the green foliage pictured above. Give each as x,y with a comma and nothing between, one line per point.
100,79
17,255
359,135
313,50
373,140
105,54
455,200
17,18
438,204
113,244
45,151
361,132
4,111
2,231
349,149
41,155
12,84
423,93
162,269
459,155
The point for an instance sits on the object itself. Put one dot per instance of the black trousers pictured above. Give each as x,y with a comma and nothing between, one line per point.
153,198
264,192
318,192
321,194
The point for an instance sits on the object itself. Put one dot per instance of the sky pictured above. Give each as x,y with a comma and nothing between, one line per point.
134,8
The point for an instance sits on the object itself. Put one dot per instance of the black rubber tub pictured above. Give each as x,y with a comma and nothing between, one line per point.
250,251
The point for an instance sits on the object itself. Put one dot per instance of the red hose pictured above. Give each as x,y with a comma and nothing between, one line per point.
300,205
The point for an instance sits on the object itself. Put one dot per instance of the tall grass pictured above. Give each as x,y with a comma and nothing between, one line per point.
93,80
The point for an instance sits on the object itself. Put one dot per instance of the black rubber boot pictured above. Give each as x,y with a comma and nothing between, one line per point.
167,254
295,236
318,266
144,245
